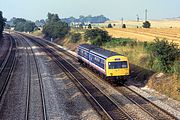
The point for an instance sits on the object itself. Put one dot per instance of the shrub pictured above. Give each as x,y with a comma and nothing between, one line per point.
89,26
120,41
124,26
75,37
163,54
97,41
146,24
176,67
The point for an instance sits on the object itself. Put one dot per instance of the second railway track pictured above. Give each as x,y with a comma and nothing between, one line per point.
7,67
35,88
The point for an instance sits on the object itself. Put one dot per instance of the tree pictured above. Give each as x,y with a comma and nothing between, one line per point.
40,23
29,26
54,27
109,25
89,26
23,25
19,27
75,37
89,18
146,24
53,17
97,36
81,25
124,26
19,20
2,23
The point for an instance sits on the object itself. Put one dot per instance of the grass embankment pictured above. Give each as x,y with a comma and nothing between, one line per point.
67,41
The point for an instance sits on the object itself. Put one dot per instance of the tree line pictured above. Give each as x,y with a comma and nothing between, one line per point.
23,25
89,18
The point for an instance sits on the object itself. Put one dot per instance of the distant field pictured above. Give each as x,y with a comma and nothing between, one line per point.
154,23
141,34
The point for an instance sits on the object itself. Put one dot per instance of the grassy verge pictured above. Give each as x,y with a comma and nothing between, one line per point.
168,84
135,51
37,33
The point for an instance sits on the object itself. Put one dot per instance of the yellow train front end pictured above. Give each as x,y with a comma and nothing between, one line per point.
117,66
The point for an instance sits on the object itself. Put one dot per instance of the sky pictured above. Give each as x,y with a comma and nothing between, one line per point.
113,9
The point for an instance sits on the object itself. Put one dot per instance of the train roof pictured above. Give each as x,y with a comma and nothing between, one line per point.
99,51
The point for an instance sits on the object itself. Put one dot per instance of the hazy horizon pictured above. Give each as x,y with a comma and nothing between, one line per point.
113,9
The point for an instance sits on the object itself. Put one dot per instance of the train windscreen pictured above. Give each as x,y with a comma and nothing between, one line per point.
117,65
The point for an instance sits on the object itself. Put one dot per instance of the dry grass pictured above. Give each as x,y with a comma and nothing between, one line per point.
135,54
141,34
37,33
68,44
168,85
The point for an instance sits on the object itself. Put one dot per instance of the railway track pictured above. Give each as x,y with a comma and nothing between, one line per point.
153,110
108,108
7,67
29,97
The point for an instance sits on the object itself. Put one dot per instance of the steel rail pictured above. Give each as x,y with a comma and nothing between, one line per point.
44,109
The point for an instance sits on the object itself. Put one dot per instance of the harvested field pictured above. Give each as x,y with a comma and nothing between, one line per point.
165,23
142,34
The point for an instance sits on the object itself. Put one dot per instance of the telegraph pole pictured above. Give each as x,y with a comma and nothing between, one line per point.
122,21
137,20
146,15
137,17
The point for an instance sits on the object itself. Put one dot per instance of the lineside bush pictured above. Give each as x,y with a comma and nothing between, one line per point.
163,55
75,37
120,41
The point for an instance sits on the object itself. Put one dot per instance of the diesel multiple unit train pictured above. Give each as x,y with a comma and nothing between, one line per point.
107,63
